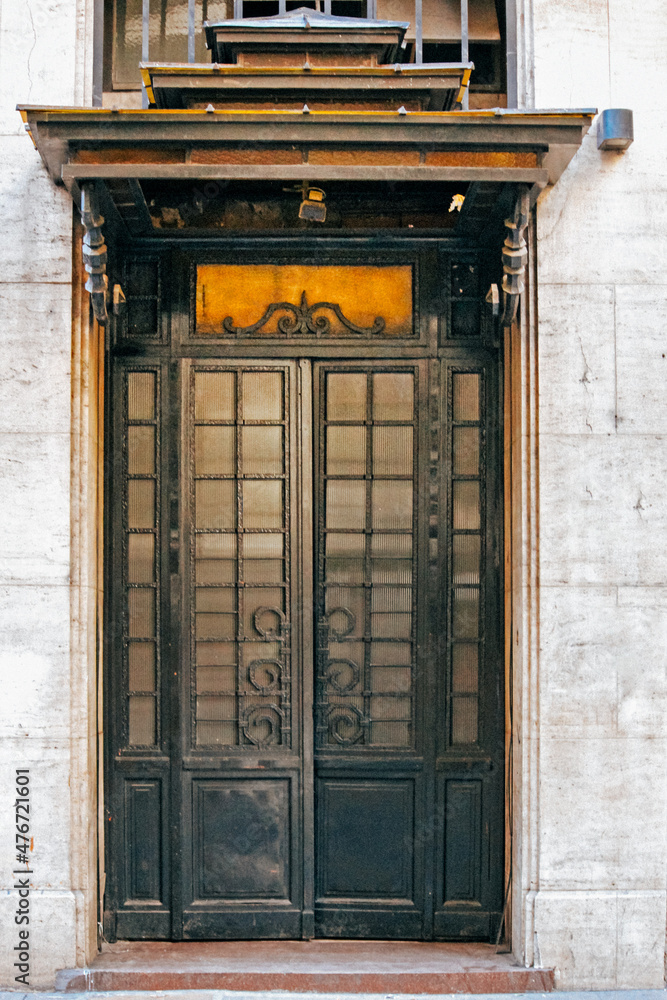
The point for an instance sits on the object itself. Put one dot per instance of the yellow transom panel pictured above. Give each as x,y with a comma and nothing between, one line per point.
302,300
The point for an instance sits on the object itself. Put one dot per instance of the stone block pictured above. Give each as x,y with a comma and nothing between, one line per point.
571,53
640,950
34,658
34,508
602,802
641,351
603,505
52,936
36,217
35,357
576,359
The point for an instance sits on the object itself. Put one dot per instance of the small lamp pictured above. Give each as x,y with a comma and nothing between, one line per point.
312,205
615,129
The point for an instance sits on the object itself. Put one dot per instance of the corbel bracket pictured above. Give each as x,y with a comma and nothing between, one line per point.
515,255
94,253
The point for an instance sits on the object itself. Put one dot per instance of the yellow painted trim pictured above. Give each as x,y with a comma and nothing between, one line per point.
389,116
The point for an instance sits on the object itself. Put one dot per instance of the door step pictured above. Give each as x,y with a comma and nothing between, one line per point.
322,966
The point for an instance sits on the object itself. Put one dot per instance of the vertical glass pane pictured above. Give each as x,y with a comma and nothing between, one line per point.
391,626
466,451
141,503
346,504
391,653
464,720
215,654
466,396
392,504
220,679
141,396
215,503
391,679
465,612
262,451
390,734
142,721
141,613
346,451
346,396
262,395
465,668
465,558
393,396
140,558
466,505
215,396
214,451
216,720
214,626
392,451
391,599
262,504
215,558
140,450
345,558
263,558
141,666
209,734
216,599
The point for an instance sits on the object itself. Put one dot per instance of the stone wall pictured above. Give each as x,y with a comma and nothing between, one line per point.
47,707
595,896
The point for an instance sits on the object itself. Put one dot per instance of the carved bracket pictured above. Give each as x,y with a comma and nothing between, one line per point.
301,319
94,253
515,255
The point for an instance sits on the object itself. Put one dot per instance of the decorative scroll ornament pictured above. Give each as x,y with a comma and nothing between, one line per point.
515,255
262,725
302,320
94,253
345,724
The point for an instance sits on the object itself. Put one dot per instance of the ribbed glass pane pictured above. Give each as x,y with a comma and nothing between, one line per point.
391,679
141,613
216,708
212,626
465,396
392,451
465,558
215,503
213,654
216,599
141,396
346,504
465,612
464,720
466,451
251,651
262,609
391,626
140,450
262,451
263,570
391,599
392,504
215,451
393,396
346,451
391,546
262,395
346,396
215,396
141,666
215,559
344,558
465,668
209,734
141,503
391,653
390,708
215,571
391,571
262,503
216,546
466,505
391,734
264,546
140,558
219,679
142,721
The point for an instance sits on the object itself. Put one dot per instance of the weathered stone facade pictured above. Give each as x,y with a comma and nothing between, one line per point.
589,585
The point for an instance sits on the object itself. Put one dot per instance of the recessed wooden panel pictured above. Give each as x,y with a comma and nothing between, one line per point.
301,300
242,837
366,839
143,840
463,807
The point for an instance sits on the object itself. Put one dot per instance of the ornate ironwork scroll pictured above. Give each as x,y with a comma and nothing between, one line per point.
302,320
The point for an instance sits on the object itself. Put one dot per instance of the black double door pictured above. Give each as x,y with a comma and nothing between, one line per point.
306,685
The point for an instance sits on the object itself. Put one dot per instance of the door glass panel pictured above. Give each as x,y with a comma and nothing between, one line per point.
262,451
466,451
142,721
215,503
393,396
346,451
141,613
262,395
141,664
466,505
346,396
141,396
140,450
465,558
215,396
346,504
214,451
392,451
392,504
465,396
262,504
140,558
140,503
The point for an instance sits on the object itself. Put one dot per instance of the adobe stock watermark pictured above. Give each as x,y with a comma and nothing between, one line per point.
23,843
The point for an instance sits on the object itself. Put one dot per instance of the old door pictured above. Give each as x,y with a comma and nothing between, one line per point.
304,638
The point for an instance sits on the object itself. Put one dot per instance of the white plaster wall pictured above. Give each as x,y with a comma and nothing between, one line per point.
594,901
44,712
